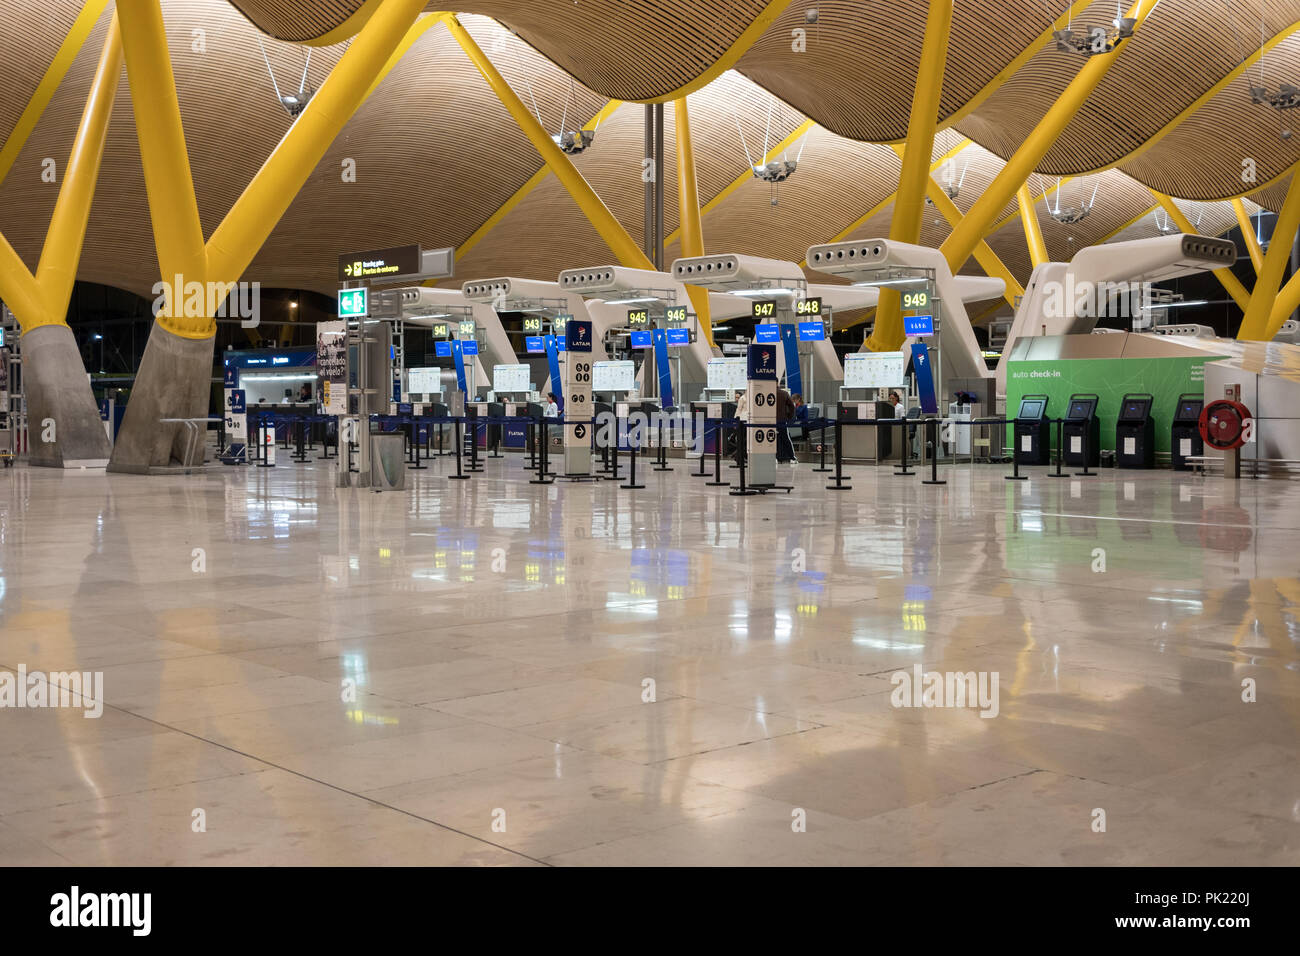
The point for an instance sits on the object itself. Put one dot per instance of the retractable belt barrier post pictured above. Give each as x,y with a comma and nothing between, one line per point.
460,448
300,441
661,459
907,443
632,448
1087,451
822,467
718,441
839,460
1060,450
932,426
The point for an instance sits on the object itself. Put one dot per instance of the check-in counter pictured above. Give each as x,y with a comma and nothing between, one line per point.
861,443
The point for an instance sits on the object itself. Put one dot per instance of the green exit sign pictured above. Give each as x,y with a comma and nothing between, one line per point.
353,304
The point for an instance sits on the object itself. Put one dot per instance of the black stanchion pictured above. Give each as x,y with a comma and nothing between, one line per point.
632,448
933,427
475,465
701,473
822,466
613,453
300,454
1060,450
743,491
325,441
839,461
661,458
263,459
718,442
907,444
1015,460
413,435
543,456
1087,452
460,447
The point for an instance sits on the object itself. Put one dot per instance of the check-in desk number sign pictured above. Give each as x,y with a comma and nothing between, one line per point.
762,411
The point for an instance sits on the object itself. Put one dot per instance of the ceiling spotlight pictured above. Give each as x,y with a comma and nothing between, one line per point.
810,16
1095,41
1070,214
575,141
777,171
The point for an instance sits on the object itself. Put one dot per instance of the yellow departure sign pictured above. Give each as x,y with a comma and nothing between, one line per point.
812,306
764,308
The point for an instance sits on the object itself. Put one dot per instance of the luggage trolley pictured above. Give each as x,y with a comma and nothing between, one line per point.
1135,432
1081,432
1185,433
1032,429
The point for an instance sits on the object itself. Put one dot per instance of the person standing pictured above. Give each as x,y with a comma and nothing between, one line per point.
784,413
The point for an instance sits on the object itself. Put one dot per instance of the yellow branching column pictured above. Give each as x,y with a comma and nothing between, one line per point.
1033,229
63,420
984,254
1248,235
688,201
909,206
961,243
174,376
1263,319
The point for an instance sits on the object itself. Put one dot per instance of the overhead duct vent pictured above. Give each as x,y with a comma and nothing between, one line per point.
487,290
1216,252
597,279
840,258
712,267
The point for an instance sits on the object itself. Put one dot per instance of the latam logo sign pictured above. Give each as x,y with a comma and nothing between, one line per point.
762,363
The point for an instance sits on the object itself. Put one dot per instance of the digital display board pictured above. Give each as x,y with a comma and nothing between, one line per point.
468,329
675,315
559,322
442,349
642,340
638,318
678,337
534,343
763,308
812,332
767,333
532,325
916,300
439,330
468,347
918,325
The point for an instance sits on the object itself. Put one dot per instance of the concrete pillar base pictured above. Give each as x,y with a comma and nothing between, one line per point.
174,381
60,403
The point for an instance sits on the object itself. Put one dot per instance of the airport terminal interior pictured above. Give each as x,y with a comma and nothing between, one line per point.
650,433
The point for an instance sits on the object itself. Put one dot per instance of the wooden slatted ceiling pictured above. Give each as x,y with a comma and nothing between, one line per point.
1223,132
35,33
856,75
1184,49
1209,219
297,20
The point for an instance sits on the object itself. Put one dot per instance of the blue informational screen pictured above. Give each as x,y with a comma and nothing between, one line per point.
762,363
560,346
918,325
442,349
534,343
577,335
642,340
404,408
678,337
767,333
469,347
812,332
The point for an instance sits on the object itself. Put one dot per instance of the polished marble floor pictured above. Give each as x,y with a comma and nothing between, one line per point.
492,672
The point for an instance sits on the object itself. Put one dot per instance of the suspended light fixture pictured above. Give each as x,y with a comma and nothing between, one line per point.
1069,215
1095,41
293,102
776,170
951,187
572,141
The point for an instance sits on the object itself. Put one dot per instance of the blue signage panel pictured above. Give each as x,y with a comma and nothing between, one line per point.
442,349
231,376
238,402
469,347
812,332
553,362
762,363
458,354
677,337
641,340
577,335
924,378
918,325
767,333
534,343
663,368
793,373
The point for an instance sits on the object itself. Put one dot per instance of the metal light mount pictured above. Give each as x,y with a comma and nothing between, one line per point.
575,141
1070,214
952,189
777,171
1096,41
1287,97
293,102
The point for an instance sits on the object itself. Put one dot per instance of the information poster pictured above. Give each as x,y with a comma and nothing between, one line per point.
332,366
874,370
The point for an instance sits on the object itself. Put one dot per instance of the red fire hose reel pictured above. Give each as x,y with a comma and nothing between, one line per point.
1224,424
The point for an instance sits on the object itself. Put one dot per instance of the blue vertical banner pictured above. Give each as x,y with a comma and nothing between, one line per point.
460,367
793,374
664,369
924,378
553,361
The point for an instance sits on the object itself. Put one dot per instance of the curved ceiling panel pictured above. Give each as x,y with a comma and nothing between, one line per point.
297,20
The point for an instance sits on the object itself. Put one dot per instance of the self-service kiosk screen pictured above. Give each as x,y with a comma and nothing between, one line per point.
1031,408
1135,410
1189,411
1081,408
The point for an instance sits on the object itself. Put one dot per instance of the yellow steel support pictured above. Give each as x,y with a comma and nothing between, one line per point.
1248,235
1259,323
57,271
42,299
1226,278
610,229
1033,230
688,202
58,68
255,214
984,254
964,238
909,205
178,234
